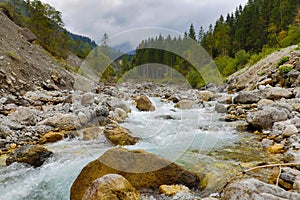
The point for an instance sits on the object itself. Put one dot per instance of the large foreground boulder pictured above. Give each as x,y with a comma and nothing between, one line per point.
141,169
111,187
253,189
33,155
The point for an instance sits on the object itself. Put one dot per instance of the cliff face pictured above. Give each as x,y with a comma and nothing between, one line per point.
27,66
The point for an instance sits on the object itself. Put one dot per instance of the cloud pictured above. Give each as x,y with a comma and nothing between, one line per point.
95,17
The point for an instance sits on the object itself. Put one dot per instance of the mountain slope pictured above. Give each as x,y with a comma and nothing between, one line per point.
27,66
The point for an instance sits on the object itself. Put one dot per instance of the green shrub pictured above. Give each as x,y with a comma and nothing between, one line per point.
285,69
298,48
282,61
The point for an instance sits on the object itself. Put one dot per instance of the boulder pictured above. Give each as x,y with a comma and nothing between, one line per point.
119,115
87,99
278,93
119,135
141,169
205,96
118,103
52,137
62,122
91,133
28,35
143,103
221,108
111,187
253,189
246,98
25,116
264,119
33,155
184,104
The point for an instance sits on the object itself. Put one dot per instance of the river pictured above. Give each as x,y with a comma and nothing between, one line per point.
196,139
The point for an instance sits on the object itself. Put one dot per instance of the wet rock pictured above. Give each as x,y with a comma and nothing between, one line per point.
119,115
184,104
171,190
253,189
91,133
225,100
51,137
246,98
62,122
166,117
205,96
275,149
143,103
141,169
115,103
119,135
278,93
221,108
32,155
264,119
112,187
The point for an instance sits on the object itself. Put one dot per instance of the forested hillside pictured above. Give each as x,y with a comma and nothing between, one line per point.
243,37
46,23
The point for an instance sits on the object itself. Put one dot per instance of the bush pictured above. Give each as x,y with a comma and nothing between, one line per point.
284,69
282,61
241,59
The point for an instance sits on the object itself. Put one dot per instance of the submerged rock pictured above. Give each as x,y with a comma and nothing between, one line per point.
185,104
141,169
143,103
32,155
119,135
253,189
111,187
91,133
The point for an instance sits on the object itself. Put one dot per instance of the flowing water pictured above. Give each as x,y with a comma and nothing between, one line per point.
189,137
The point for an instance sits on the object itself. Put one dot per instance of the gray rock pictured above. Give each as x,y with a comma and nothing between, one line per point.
221,108
25,116
119,115
87,99
246,98
293,74
28,35
62,122
118,103
278,93
267,143
253,189
264,119
102,111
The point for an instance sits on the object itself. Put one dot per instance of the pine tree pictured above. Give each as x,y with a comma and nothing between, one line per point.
192,33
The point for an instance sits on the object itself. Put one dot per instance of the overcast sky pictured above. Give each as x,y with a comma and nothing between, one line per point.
93,18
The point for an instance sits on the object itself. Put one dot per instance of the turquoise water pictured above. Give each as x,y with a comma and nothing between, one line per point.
198,130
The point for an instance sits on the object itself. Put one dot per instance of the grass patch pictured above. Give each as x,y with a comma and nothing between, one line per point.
13,55
298,48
